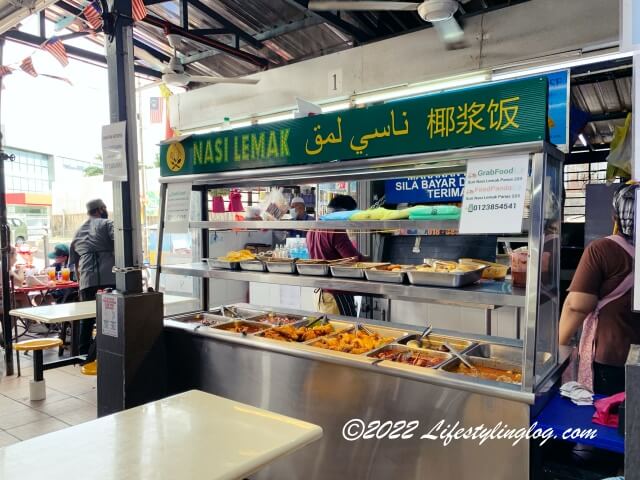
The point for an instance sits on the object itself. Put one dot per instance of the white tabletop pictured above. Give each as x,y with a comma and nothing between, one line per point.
70,312
60,312
193,435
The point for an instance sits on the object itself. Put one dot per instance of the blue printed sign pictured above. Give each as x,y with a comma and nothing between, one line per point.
558,105
427,189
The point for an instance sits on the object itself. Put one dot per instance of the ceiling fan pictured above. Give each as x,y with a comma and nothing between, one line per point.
439,12
173,73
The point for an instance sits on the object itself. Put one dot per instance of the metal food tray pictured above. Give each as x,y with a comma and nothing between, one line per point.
434,342
444,279
231,312
202,318
451,365
338,327
265,317
375,275
282,267
314,269
253,265
248,323
493,351
394,333
444,357
222,264
351,271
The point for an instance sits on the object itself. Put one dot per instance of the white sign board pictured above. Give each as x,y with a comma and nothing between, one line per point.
629,25
110,316
114,152
494,194
176,219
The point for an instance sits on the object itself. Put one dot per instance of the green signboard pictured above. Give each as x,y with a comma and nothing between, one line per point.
494,114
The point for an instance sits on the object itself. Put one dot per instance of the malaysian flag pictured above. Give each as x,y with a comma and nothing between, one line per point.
5,71
155,104
138,10
56,48
92,13
27,66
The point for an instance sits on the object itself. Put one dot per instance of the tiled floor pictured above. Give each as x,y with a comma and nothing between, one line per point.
71,399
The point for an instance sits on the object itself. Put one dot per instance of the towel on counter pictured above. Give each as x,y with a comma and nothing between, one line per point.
577,393
339,215
434,212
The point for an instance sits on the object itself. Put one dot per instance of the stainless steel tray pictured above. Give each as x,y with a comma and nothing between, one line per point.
282,267
374,275
269,318
394,333
502,353
222,264
435,342
201,318
438,279
453,364
314,269
232,312
227,327
442,356
338,327
351,271
253,265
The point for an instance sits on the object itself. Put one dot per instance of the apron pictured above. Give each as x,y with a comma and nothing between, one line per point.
586,351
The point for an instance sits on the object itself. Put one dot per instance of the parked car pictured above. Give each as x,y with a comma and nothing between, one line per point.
19,231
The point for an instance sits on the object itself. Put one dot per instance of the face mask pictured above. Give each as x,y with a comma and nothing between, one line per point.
292,212
104,215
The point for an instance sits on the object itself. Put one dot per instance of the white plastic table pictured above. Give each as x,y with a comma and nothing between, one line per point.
70,312
193,435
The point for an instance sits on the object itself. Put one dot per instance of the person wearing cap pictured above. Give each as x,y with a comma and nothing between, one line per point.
92,253
600,301
298,211
60,256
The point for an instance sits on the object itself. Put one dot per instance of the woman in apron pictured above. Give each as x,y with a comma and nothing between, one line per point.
600,302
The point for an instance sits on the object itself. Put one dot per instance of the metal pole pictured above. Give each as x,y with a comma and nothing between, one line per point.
163,201
5,248
122,105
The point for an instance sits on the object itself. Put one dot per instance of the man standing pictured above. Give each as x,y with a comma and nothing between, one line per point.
92,252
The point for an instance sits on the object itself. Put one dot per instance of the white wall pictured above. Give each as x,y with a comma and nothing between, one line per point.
529,30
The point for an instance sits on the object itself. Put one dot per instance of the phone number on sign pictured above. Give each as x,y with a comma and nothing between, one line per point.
357,429
490,206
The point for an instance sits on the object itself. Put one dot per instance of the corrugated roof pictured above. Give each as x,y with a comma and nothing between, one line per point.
606,95
276,31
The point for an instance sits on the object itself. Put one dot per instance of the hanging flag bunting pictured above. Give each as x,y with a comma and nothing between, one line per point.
5,71
63,23
155,107
138,10
93,15
56,48
27,66
56,77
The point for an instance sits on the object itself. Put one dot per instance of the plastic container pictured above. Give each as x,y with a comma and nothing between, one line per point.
519,260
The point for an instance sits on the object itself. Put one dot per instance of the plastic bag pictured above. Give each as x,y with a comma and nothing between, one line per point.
275,205
619,159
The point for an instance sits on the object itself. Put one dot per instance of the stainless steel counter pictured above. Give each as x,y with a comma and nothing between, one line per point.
485,294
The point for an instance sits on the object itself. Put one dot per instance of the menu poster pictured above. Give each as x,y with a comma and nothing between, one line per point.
114,152
494,194
176,218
